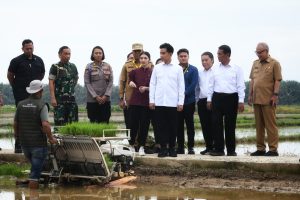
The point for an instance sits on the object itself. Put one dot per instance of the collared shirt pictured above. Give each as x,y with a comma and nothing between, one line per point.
227,79
167,85
264,74
25,71
190,81
141,77
204,76
98,80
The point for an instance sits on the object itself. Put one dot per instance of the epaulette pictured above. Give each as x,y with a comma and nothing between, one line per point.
129,61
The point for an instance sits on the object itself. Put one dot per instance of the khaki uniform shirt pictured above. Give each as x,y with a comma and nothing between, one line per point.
98,80
264,74
124,90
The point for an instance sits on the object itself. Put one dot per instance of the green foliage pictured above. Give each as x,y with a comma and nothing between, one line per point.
13,169
80,92
289,94
87,128
108,161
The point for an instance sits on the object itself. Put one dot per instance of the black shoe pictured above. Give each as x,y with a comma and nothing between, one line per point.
231,153
136,148
163,153
156,150
205,152
172,153
258,153
180,151
191,151
272,153
148,150
217,153
18,151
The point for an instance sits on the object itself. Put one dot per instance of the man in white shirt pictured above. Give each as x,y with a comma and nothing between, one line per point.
166,95
226,93
205,115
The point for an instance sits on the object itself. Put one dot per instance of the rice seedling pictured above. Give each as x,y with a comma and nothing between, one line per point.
88,129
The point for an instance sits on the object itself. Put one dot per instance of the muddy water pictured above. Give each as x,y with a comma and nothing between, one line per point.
139,192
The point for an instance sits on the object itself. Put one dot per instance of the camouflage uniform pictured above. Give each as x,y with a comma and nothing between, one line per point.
65,78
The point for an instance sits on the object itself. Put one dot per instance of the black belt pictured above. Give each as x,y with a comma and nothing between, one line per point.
224,94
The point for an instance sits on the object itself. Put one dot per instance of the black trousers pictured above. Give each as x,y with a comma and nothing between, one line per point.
139,124
126,117
205,117
187,116
98,113
166,123
154,126
224,108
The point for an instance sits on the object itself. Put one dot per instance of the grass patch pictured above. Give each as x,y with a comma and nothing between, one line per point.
87,128
8,109
13,169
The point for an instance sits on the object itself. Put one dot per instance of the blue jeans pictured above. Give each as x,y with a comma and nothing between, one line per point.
36,157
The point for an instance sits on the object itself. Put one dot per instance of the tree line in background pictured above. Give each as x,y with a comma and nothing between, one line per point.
289,93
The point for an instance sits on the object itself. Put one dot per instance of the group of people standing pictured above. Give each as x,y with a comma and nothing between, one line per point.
166,95
63,77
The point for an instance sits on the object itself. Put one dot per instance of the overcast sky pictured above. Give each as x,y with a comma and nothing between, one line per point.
197,25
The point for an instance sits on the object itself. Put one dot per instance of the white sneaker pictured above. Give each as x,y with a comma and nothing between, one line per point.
141,151
132,148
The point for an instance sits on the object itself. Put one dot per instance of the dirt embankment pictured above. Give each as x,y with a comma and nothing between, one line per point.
220,178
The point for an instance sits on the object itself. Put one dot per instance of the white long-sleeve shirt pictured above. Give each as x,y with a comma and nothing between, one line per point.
227,79
167,85
204,76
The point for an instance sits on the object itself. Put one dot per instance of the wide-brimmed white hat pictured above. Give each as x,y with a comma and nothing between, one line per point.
35,86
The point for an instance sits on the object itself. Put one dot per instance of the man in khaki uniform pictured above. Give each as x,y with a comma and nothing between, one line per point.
125,91
263,94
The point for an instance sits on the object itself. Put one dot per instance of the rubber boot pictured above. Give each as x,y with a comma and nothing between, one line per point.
33,185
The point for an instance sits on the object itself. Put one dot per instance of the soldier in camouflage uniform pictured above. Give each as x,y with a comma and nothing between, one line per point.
63,78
